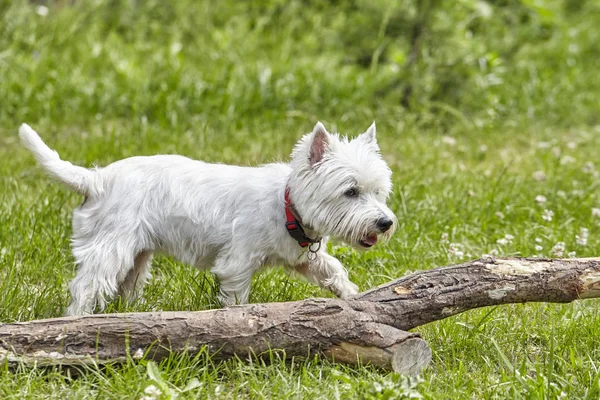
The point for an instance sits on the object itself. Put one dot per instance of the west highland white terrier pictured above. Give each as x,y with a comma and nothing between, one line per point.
230,219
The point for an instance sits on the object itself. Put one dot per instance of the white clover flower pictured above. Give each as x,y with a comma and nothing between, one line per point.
567,160
494,252
543,145
500,214
139,353
502,241
547,215
538,247
153,390
449,140
577,193
540,198
176,48
539,176
444,238
562,395
595,212
42,11
556,151
588,167
571,254
558,249
152,393
538,240
582,238
455,249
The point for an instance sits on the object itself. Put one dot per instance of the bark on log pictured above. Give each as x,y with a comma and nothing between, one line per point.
370,328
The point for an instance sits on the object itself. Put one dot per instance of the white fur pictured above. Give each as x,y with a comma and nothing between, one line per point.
227,218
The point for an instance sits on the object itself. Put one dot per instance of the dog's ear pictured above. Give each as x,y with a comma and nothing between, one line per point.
370,135
319,143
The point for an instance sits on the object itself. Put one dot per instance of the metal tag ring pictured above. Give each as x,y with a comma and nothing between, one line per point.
318,245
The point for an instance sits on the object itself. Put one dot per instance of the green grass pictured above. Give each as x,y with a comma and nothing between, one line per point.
239,83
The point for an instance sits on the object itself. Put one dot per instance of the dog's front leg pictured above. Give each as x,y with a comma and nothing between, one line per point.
327,272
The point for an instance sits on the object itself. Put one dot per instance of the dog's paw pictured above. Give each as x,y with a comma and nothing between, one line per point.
226,301
350,290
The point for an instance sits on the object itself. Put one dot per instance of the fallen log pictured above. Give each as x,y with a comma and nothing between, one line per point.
370,328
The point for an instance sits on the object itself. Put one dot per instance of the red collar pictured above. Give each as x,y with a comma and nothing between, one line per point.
293,226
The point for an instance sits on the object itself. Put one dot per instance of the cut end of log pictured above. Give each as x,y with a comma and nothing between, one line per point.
350,353
409,357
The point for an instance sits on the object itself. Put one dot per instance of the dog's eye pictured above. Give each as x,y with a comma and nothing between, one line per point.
353,192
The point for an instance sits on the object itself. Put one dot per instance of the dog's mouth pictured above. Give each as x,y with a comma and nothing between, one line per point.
368,241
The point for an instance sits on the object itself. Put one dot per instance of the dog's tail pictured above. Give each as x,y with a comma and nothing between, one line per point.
79,179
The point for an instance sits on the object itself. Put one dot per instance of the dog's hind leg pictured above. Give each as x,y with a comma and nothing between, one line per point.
235,276
102,266
136,278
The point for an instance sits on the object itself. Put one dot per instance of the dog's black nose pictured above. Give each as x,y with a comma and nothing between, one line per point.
384,224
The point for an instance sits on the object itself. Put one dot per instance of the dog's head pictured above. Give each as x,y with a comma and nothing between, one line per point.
339,187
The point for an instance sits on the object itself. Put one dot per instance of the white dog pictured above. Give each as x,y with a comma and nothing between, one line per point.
230,219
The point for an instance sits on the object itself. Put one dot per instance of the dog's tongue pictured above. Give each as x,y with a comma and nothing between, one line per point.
370,240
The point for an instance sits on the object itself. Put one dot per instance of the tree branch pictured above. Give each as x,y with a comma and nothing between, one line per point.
435,294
